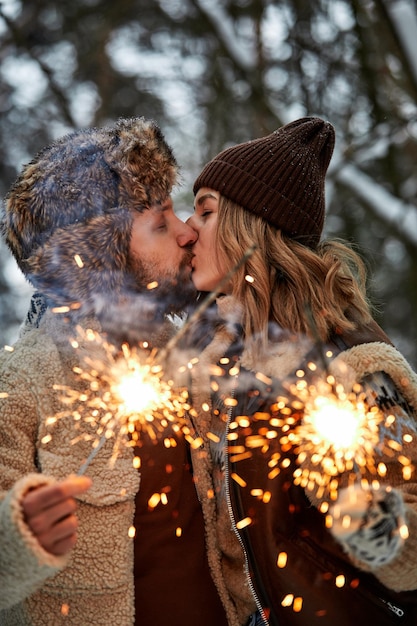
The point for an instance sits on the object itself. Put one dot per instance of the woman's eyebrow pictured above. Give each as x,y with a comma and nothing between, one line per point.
204,197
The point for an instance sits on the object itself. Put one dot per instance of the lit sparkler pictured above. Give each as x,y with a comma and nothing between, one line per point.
338,433
121,394
331,432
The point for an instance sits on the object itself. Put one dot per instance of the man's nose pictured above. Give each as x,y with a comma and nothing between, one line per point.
188,235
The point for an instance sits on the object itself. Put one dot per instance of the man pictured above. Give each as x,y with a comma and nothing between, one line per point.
91,224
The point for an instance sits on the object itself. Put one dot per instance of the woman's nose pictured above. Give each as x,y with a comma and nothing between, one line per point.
192,222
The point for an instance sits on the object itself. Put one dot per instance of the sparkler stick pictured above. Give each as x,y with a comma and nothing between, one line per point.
318,342
91,456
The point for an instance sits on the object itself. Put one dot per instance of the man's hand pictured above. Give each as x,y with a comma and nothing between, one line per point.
49,512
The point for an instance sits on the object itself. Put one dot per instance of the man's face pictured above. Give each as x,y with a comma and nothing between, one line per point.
160,250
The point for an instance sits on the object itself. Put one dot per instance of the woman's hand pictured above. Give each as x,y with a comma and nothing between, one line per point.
370,523
49,511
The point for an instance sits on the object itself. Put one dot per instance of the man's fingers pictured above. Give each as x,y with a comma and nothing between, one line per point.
50,513
44,520
46,496
61,537
62,547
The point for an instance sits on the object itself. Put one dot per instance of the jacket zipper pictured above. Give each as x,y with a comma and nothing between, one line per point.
230,510
375,598
398,611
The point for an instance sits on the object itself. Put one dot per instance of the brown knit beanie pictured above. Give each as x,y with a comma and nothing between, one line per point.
279,177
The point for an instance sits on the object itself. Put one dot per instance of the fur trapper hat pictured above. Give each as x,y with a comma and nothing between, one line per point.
68,217
279,177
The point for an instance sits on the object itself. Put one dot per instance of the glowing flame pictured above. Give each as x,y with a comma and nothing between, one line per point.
138,388
337,433
336,423
136,394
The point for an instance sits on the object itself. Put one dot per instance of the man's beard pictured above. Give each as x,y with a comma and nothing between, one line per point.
140,312
172,293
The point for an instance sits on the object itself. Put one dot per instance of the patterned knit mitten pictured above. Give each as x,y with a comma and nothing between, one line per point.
367,523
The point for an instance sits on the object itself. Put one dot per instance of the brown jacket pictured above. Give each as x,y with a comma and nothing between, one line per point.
304,590
288,520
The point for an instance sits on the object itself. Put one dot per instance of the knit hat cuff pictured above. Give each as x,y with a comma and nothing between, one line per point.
253,194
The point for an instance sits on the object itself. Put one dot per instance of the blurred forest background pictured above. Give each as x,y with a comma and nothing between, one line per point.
216,72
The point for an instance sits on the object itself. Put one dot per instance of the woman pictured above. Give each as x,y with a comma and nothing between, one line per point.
287,300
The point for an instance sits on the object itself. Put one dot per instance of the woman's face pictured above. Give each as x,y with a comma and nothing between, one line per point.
207,271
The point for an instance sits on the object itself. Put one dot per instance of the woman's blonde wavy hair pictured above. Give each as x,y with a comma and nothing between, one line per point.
315,292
